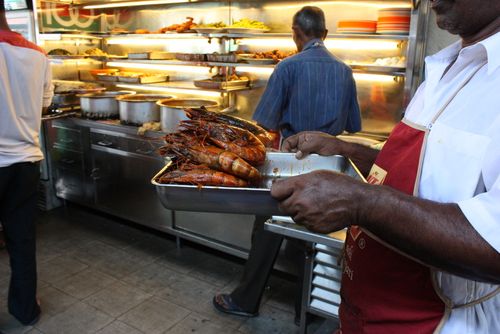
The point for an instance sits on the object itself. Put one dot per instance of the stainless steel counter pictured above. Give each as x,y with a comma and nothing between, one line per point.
108,166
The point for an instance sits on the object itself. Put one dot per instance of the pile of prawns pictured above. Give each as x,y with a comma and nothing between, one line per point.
215,149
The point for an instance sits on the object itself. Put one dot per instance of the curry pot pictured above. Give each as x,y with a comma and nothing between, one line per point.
101,105
140,108
172,111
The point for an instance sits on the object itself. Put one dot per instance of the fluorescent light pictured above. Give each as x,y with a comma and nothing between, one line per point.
341,44
144,40
374,77
173,68
135,3
172,90
364,4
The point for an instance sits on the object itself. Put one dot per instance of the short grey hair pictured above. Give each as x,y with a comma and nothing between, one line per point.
311,20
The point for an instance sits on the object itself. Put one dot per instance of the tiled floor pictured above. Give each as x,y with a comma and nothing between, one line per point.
97,275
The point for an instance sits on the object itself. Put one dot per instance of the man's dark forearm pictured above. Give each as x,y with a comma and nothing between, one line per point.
362,156
437,234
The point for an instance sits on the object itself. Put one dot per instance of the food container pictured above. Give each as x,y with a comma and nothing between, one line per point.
106,77
138,109
101,105
210,84
101,71
152,55
172,111
191,56
141,78
257,201
223,58
65,99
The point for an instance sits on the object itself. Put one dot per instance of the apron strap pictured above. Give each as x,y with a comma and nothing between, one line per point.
449,303
452,96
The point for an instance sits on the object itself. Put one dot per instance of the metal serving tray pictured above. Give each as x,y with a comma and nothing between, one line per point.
256,200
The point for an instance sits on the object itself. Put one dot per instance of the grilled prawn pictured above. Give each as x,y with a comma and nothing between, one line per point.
202,176
190,147
233,139
210,116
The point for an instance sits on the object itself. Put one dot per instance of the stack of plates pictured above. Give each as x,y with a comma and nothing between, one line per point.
357,27
394,21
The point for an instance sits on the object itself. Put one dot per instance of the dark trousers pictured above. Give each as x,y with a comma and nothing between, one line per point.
18,208
263,253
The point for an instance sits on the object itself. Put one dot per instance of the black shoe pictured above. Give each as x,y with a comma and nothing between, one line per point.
224,303
34,320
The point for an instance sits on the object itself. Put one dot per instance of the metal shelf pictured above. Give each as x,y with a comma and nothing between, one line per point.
97,35
184,63
178,85
375,69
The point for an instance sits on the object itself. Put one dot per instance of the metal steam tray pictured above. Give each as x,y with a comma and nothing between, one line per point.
257,200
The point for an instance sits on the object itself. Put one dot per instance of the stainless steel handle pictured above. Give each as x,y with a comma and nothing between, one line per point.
67,161
66,141
94,174
104,143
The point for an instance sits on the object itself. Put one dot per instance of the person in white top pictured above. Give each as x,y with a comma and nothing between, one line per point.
25,88
422,252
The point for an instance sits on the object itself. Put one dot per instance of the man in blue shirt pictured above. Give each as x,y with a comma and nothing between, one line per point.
312,90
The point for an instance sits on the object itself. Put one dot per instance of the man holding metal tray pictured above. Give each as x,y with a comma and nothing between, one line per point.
312,90
422,252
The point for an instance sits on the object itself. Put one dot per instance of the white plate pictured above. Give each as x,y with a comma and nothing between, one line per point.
209,30
245,30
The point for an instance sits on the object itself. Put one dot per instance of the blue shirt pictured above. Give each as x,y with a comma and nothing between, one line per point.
310,91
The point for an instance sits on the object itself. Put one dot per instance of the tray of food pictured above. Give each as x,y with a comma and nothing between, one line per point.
222,57
191,56
112,77
248,199
154,55
247,26
211,84
210,28
132,77
203,30
258,61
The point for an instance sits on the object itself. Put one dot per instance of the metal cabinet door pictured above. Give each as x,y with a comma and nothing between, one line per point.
122,182
68,171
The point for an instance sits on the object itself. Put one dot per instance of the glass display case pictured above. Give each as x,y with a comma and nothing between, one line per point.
387,65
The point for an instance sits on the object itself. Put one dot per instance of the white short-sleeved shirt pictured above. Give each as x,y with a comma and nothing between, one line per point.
25,87
462,162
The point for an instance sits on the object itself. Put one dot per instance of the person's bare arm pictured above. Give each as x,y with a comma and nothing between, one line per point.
434,233
322,143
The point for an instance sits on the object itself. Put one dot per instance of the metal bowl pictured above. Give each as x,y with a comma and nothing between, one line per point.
172,111
101,105
140,108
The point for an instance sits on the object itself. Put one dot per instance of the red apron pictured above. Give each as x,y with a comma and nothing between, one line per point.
382,290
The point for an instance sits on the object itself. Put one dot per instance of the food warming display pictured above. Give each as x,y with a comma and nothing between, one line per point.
225,61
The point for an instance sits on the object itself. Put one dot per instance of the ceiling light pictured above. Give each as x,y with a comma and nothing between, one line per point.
135,3
172,90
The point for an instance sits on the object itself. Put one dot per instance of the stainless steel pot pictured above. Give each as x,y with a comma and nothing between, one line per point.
101,105
172,111
65,99
140,108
